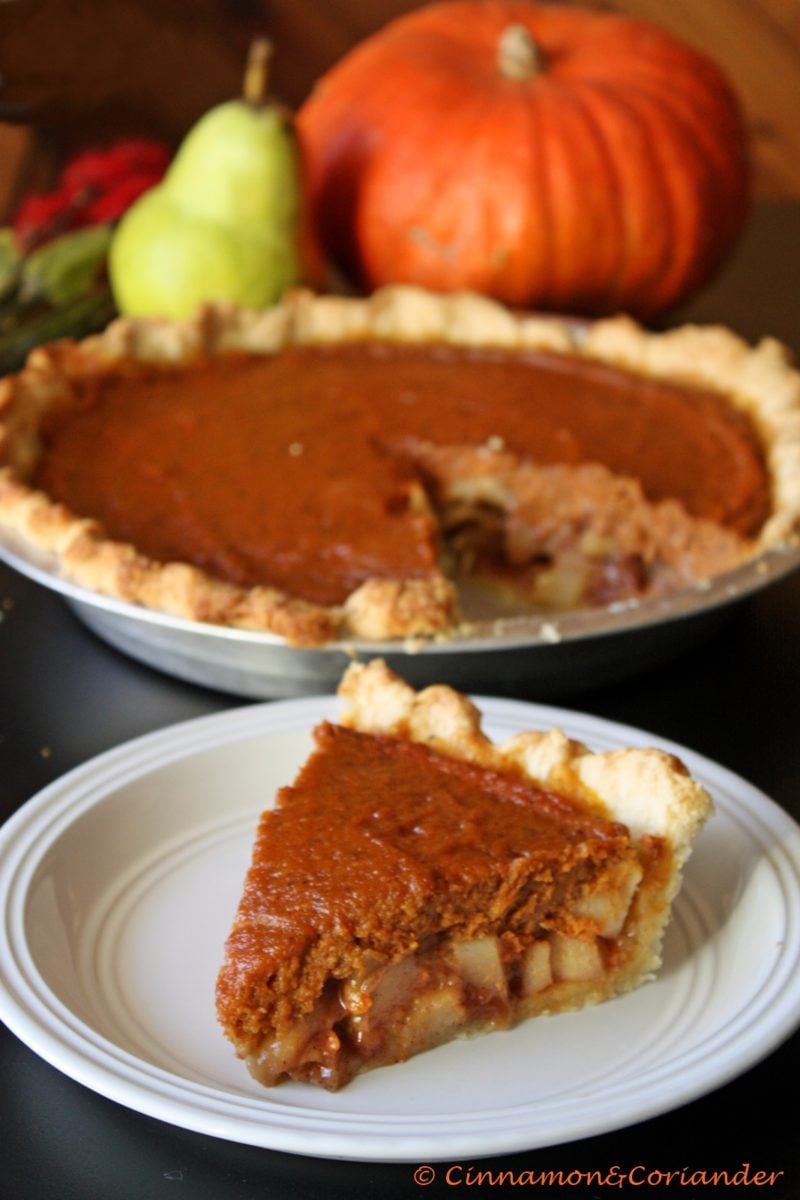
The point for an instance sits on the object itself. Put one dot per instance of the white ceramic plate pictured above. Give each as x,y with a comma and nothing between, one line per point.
120,881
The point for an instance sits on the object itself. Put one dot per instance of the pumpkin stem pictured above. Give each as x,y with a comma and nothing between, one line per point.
518,56
254,89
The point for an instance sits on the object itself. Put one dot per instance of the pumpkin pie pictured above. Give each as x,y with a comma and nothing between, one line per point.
418,882
332,467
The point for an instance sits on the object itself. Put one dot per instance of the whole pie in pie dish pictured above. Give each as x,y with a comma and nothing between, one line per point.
418,882
332,467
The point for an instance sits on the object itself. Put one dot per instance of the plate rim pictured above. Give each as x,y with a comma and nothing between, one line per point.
61,802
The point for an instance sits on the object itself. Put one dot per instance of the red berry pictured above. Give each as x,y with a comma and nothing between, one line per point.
113,203
95,186
42,216
94,170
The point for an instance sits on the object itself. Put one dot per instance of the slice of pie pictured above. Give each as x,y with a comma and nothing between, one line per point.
418,882
333,467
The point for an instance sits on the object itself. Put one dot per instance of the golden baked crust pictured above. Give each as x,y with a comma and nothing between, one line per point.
418,882
759,381
648,790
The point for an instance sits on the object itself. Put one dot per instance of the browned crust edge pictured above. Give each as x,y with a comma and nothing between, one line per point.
759,380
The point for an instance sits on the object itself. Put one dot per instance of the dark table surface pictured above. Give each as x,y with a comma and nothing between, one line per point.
65,696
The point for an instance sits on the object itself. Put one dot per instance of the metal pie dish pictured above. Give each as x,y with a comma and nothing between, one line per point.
543,654
539,653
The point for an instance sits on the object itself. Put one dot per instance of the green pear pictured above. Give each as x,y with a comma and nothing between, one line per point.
224,222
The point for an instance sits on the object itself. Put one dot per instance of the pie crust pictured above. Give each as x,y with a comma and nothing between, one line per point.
759,381
373,925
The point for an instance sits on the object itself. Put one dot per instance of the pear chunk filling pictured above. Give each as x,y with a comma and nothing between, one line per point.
388,1012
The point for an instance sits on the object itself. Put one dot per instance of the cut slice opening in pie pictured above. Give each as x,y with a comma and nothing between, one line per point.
418,882
336,467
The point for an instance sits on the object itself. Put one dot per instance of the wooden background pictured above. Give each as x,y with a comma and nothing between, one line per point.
74,72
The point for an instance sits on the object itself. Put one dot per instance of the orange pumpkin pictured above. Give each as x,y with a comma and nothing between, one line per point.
553,157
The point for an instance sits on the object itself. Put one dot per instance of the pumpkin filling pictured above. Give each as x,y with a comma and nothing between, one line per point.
325,466
402,893
533,893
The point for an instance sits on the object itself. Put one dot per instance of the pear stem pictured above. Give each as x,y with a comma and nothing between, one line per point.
257,72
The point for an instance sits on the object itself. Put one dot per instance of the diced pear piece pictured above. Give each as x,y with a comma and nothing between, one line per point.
282,1055
536,972
435,1017
480,965
608,907
574,960
380,994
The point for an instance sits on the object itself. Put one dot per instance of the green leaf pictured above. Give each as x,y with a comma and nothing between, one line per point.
65,269
75,320
10,262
